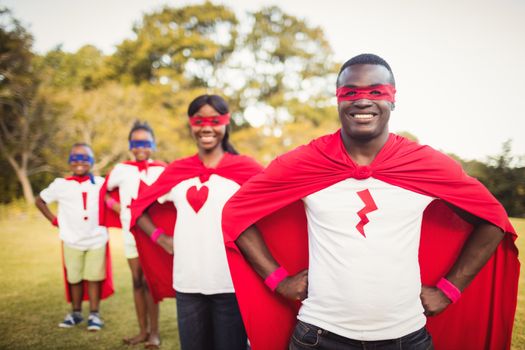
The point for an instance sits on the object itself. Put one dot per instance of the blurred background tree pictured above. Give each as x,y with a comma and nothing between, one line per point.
28,111
504,176
276,71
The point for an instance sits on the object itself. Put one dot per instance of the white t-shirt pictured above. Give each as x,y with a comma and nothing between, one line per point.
127,178
77,212
364,286
199,259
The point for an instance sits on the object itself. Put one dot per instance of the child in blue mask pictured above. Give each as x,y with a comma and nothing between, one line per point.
85,251
130,178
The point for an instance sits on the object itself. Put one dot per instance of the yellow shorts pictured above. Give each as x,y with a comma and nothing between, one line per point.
130,246
89,265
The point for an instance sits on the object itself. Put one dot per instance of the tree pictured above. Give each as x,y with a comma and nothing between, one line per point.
408,135
506,181
281,78
86,69
177,46
26,119
275,64
284,59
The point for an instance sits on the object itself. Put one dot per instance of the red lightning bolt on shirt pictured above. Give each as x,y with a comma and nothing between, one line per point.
369,207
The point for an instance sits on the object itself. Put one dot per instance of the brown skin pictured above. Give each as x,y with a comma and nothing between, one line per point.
146,309
94,287
139,153
363,139
477,250
209,143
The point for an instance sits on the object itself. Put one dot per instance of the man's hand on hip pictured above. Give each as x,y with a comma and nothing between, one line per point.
294,287
433,300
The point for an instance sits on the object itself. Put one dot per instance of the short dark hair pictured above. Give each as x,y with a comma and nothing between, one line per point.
83,144
138,125
220,105
367,58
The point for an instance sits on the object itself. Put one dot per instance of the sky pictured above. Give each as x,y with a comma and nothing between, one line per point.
459,65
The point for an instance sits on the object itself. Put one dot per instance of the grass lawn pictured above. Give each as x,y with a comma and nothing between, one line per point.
32,293
518,334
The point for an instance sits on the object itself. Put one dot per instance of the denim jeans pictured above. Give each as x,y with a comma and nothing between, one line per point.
307,336
210,322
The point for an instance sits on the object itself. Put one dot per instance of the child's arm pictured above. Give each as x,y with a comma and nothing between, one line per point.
112,204
44,209
148,226
113,181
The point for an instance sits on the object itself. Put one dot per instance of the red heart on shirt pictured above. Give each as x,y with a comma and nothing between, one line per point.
197,198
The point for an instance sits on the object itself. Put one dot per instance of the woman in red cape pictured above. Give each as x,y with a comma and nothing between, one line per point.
181,214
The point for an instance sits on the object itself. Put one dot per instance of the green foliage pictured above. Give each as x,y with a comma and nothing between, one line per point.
177,46
28,115
410,136
9,188
15,61
86,68
503,177
269,65
286,61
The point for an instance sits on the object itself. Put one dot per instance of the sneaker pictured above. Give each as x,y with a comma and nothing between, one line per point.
71,320
95,323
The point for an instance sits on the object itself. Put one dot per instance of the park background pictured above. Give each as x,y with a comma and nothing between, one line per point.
84,71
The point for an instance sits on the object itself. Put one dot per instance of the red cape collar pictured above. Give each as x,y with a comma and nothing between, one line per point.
145,164
77,178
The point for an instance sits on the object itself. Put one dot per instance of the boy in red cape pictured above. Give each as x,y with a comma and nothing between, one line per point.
85,248
193,191
388,233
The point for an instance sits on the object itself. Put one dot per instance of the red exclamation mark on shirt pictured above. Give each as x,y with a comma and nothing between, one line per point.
84,202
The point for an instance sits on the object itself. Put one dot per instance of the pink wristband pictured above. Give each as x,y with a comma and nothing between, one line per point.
275,278
450,290
110,202
156,234
55,222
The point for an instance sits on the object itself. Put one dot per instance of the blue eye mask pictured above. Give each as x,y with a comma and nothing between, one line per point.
141,144
76,157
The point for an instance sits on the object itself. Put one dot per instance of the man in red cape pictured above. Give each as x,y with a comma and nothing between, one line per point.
156,262
466,238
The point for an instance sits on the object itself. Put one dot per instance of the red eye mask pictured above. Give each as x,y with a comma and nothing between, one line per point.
210,121
378,92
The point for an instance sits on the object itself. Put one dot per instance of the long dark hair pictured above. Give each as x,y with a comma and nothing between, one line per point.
220,106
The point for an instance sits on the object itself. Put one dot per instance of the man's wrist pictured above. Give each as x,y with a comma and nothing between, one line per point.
450,290
54,222
276,277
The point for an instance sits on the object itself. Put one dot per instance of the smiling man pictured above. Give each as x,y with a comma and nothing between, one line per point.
395,233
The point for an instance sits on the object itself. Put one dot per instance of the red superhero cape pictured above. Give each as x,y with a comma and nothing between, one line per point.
156,263
108,217
107,285
481,319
